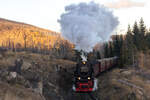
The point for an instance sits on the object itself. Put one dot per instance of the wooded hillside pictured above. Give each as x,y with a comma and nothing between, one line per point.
20,36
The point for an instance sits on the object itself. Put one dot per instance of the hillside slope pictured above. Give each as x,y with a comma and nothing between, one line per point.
40,75
8,92
16,34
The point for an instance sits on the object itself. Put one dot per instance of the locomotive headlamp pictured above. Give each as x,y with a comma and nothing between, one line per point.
79,78
84,62
89,78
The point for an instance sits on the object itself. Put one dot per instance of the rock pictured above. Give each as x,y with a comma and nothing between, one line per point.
26,65
126,72
13,74
18,65
140,92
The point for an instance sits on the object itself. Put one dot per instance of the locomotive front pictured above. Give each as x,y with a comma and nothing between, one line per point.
84,80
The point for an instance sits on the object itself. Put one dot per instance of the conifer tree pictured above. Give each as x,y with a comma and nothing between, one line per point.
136,36
123,57
130,46
148,39
142,27
129,36
106,51
110,49
142,33
116,44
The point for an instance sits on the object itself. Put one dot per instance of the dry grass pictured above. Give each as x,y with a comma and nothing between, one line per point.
123,84
8,59
14,93
144,60
134,85
42,65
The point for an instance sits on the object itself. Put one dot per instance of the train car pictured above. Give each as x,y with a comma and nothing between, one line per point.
102,65
84,81
97,68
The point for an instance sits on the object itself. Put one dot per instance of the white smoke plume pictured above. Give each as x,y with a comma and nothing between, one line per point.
86,24
83,56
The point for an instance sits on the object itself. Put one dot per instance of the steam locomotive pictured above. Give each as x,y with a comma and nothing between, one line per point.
86,73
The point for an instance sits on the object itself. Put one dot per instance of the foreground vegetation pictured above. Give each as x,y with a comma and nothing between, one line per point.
44,76
41,75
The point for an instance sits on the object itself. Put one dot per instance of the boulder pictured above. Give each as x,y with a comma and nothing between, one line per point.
13,74
26,65
126,72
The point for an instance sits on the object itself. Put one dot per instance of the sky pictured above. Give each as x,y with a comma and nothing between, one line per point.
45,13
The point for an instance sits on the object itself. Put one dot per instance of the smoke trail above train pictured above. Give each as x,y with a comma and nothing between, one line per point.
86,24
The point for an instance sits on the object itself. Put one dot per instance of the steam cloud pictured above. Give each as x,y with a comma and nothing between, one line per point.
86,24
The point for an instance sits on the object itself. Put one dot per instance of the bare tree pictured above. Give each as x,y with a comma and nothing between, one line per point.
25,40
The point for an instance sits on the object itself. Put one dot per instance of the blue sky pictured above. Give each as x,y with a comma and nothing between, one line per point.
44,13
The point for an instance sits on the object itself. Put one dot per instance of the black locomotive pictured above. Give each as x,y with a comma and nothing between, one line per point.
84,80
